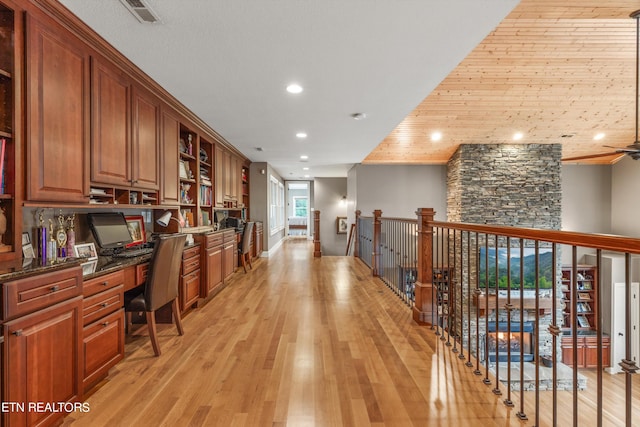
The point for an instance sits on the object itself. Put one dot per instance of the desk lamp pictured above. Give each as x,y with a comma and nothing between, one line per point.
166,217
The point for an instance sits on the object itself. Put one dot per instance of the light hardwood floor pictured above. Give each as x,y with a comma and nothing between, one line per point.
303,341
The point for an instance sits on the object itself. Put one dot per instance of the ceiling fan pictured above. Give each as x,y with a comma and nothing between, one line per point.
632,150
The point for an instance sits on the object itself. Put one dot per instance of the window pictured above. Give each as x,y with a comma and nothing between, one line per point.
300,206
276,205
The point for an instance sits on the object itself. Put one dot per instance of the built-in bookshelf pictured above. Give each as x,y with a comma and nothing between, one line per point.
9,227
205,182
585,294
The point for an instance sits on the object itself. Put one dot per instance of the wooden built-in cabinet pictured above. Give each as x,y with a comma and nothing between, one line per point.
586,351
211,264
110,124
11,46
257,239
169,193
580,293
229,253
42,332
190,278
582,298
58,103
103,326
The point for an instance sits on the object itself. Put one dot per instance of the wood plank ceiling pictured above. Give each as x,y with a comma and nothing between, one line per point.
559,72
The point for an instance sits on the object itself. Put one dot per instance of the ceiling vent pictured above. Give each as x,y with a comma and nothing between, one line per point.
141,11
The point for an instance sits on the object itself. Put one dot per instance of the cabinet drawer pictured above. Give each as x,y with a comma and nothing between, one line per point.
191,264
213,239
229,235
191,252
103,346
102,283
101,304
26,295
141,273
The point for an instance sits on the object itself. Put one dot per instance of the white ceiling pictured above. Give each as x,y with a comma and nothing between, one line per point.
230,61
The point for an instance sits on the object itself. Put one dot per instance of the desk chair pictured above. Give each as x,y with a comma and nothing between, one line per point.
245,246
161,286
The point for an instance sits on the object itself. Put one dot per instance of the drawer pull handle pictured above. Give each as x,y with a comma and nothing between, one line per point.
18,332
105,324
55,288
104,283
104,304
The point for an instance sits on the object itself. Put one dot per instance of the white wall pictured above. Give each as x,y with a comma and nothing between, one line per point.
586,198
398,190
328,194
625,198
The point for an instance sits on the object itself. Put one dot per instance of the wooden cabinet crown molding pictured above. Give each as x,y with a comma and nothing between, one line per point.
64,17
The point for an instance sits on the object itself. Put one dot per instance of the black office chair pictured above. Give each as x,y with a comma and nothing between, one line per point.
161,286
245,246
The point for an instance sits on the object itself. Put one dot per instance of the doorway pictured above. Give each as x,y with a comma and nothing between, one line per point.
298,209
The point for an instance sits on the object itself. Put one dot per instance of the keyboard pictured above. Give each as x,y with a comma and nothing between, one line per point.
132,253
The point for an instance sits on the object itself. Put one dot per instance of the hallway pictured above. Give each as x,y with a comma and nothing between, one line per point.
298,341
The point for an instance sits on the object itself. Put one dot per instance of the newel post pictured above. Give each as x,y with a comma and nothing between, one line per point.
375,256
317,252
356,245
422,310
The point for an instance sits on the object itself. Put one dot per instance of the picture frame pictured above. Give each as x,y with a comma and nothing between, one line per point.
27,251
89,267
135,224
25,238
585,285
85,250
583,322
183,170
584,296
341,225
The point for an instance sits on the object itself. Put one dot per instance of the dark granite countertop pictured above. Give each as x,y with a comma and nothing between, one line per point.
25,268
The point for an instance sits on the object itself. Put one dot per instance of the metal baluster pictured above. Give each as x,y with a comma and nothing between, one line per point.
461,332
537,332
486,379
508,307
454,327
477,371
521,414
496,389
469,363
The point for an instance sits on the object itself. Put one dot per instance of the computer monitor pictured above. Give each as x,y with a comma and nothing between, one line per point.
110,229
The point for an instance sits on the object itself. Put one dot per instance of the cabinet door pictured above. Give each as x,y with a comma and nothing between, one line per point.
227,259
170,137
189,289
57,149
103,345
145,153
213,270
111,125
219,173
45,359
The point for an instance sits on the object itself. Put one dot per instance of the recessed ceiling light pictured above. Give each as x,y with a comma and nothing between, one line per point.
294,88
303,157
517,136
305,169
306,176
599,136
301,135
436,136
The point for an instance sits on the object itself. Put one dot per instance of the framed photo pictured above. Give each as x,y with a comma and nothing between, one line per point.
584,296
25,238
583,322
183,170
27,251
89,267
341,225
85,250
135,223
